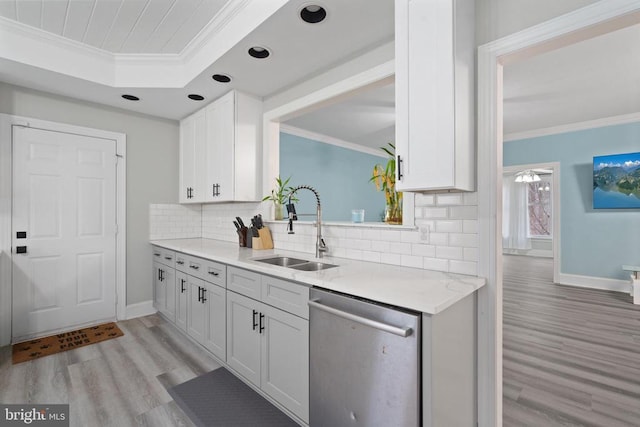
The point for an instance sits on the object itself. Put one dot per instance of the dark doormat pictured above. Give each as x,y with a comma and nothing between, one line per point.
53,344
219,399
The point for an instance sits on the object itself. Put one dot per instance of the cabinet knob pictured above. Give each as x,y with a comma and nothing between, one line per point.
213,273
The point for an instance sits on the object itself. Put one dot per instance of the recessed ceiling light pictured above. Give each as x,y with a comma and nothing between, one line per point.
130,97
222,78
313,14
196,97
259,52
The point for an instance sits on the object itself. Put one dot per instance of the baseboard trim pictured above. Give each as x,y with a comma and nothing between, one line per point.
602,283
140,309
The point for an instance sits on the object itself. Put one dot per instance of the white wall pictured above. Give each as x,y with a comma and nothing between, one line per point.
152,167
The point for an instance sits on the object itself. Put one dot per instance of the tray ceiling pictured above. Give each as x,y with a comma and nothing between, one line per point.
118,26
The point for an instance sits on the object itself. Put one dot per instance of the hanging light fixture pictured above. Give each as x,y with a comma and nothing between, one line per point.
527,176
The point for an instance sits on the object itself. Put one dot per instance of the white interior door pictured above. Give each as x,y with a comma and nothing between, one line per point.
64,199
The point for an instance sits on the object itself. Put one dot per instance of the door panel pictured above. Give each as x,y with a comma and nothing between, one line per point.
64,197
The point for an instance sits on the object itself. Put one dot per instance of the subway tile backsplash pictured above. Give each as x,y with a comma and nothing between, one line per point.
445,238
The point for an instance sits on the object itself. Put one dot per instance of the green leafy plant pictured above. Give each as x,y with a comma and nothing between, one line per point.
280,194
384,177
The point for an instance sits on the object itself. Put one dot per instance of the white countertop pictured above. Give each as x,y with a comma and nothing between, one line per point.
422,290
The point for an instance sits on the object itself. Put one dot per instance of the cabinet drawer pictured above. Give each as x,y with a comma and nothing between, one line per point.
215,273
285,295
164,256
195,266
244,282
181,262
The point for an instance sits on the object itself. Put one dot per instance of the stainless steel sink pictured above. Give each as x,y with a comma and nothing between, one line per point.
312,266
296,263
282,261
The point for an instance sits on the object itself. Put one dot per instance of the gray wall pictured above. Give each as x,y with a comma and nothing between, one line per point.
152,164
593,242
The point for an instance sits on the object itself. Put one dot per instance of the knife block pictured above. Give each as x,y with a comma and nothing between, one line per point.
263,241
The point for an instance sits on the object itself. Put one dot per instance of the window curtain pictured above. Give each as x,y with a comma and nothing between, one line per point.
515,221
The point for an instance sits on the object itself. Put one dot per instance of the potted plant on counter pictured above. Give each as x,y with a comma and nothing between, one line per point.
384,177
280,196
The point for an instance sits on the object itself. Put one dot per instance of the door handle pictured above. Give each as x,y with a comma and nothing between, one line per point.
199,294
182,288
255,322
399,164
204,295
261,323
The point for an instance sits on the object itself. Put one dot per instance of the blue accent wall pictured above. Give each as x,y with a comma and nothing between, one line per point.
340,175
594,242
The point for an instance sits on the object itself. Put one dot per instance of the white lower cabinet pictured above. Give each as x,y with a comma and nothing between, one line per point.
206,319
258,325
182,298
164,290
266,345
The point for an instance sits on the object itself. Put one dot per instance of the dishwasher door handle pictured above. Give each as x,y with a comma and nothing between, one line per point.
402,332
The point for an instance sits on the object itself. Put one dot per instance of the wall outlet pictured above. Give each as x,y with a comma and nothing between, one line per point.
424,233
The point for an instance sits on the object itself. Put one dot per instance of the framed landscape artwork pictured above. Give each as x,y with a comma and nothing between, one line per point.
616,181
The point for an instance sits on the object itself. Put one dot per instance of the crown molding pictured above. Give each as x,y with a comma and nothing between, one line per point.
229,11
573,127
303,133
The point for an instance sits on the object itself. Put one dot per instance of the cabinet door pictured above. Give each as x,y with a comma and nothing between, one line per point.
159,297
187,167
243,336
221,149
434,70
169,284
182,298
285,360
192,158
196,309
215,339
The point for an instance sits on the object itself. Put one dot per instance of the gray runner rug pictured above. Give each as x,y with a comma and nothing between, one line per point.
219,399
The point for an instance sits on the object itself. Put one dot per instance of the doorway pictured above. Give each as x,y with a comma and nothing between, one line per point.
62,228
600,18
531,212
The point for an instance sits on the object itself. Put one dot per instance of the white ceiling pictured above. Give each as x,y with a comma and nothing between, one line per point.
594,79
298,51
118,26
590,80
368,118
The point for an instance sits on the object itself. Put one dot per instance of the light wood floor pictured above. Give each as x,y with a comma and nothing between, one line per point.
571,355
121,382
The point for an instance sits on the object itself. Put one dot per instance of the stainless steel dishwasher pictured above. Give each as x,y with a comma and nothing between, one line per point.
364,362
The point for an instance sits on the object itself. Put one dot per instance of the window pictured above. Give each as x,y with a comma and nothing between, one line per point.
539,207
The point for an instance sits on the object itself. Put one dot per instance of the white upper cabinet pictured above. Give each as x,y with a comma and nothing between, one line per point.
220,149
435,135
